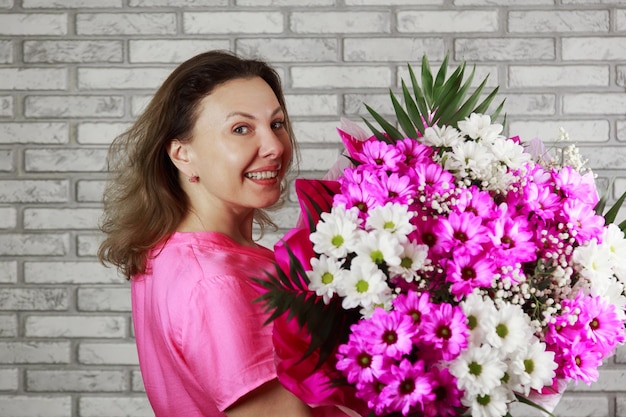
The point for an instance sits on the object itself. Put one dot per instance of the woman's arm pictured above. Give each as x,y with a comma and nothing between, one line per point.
269,400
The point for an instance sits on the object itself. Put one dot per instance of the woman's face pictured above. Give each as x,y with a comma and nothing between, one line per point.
240,148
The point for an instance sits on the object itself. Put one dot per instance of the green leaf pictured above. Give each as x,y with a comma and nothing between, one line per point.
526,401
454,111
309,215
297,271
601,205
379,135
403,119
609,216
484,105
497,112
412,110
441,74
309,219
311,201
390,129
449,90
420,100
440,99
427,80
467,108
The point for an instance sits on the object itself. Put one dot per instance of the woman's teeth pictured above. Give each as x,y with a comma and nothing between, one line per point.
265,175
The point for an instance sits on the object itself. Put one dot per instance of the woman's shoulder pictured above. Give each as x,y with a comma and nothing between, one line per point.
208,254
212,241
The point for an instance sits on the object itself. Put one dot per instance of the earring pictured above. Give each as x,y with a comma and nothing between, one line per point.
194,178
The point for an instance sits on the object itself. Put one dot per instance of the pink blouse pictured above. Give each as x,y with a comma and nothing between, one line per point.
200,337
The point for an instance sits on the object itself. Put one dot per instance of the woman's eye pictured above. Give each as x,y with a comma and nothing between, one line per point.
241,130
278,125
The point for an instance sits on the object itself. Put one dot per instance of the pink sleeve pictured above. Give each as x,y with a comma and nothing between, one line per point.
224,341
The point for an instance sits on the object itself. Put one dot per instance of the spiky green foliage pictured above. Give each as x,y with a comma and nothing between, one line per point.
611,214
325,204
433,101
288,293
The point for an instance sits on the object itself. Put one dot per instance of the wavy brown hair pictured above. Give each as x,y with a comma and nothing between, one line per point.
144,201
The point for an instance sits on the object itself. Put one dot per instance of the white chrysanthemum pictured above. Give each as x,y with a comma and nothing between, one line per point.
392,218
471,159
478,369
379,247
479,126
532,366
611,289
594,261
600,264
481,316
509,153
386,304
512,329
325,277
364,285
613,239
336,232
493,404
412,259
446,136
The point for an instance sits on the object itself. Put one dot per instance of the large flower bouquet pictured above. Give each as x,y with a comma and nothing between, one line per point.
448,270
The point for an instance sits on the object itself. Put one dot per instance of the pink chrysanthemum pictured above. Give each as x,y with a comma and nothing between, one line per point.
408,387
448,396
553,242
571,185
414,152
433,178
360,188
396,189
512,239
445,329
424,233
537,174
559,332
391,333
556,334
462,232
477,201
537,201
381,154
602,324
357,362
583,221
413,304
578,362
567,326
467,272
372,394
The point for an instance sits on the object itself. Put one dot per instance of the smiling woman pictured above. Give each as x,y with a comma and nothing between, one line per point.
243,123
189,178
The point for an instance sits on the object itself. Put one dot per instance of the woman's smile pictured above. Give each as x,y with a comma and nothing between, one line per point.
263,175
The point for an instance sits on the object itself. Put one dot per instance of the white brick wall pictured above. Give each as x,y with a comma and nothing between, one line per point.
75,73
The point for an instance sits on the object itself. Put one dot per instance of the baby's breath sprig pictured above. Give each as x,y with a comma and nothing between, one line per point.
559,156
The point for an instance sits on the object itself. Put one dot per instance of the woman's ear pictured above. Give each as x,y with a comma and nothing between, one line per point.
179,154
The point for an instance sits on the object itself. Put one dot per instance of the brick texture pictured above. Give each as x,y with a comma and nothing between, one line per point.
75,73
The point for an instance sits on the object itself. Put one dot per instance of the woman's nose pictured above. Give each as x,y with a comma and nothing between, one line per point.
271,144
